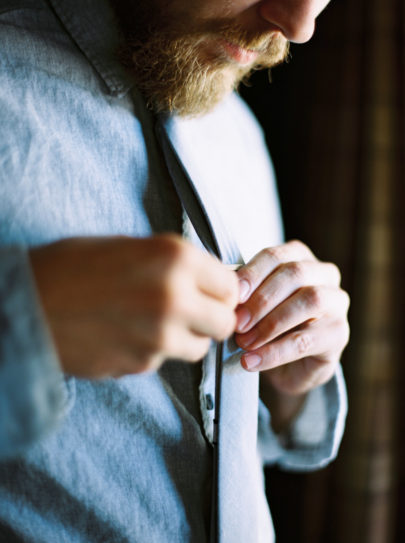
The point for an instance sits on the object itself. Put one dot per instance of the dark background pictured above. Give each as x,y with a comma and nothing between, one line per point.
334,120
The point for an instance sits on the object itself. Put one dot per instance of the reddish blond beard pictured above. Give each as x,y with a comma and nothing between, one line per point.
176,74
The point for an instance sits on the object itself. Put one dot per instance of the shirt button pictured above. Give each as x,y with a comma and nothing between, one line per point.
209,402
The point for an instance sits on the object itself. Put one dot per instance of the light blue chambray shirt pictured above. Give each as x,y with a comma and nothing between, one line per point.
125,460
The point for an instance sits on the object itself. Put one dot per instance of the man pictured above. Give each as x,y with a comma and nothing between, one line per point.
125,160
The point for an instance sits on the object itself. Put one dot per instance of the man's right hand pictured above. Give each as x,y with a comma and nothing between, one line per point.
119,306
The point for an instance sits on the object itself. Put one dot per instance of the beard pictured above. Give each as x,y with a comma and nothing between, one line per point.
175,63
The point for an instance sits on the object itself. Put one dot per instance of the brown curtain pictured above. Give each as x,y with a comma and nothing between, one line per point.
335,122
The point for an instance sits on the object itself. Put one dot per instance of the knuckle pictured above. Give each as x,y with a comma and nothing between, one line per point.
277,253
296,245
289,251
267,252
269,326
274,324
296,271
314,297
260,300
303,343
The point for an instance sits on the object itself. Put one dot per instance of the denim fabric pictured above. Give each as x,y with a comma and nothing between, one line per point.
126,460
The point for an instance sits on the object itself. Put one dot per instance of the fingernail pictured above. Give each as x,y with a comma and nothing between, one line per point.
252,360
244,288
243,317
249,338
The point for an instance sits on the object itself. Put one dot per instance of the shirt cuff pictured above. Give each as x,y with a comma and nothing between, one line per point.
313,439
34,394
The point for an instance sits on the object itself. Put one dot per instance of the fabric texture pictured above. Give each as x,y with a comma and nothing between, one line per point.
126,459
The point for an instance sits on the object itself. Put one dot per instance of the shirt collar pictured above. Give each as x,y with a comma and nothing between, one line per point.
93,27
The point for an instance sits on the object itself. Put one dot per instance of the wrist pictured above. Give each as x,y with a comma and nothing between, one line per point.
283,407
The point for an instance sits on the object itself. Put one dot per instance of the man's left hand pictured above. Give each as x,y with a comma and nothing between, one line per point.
292,318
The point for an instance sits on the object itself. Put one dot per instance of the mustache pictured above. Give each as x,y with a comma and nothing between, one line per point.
272,46
184,29
262,41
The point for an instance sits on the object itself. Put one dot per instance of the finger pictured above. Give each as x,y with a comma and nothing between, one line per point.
217,280
308,304
260,266
186,345
212,318
180,262
281,284
196,311
300,344
179,302
173,340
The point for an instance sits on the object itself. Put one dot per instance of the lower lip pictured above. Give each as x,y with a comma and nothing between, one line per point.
238,54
